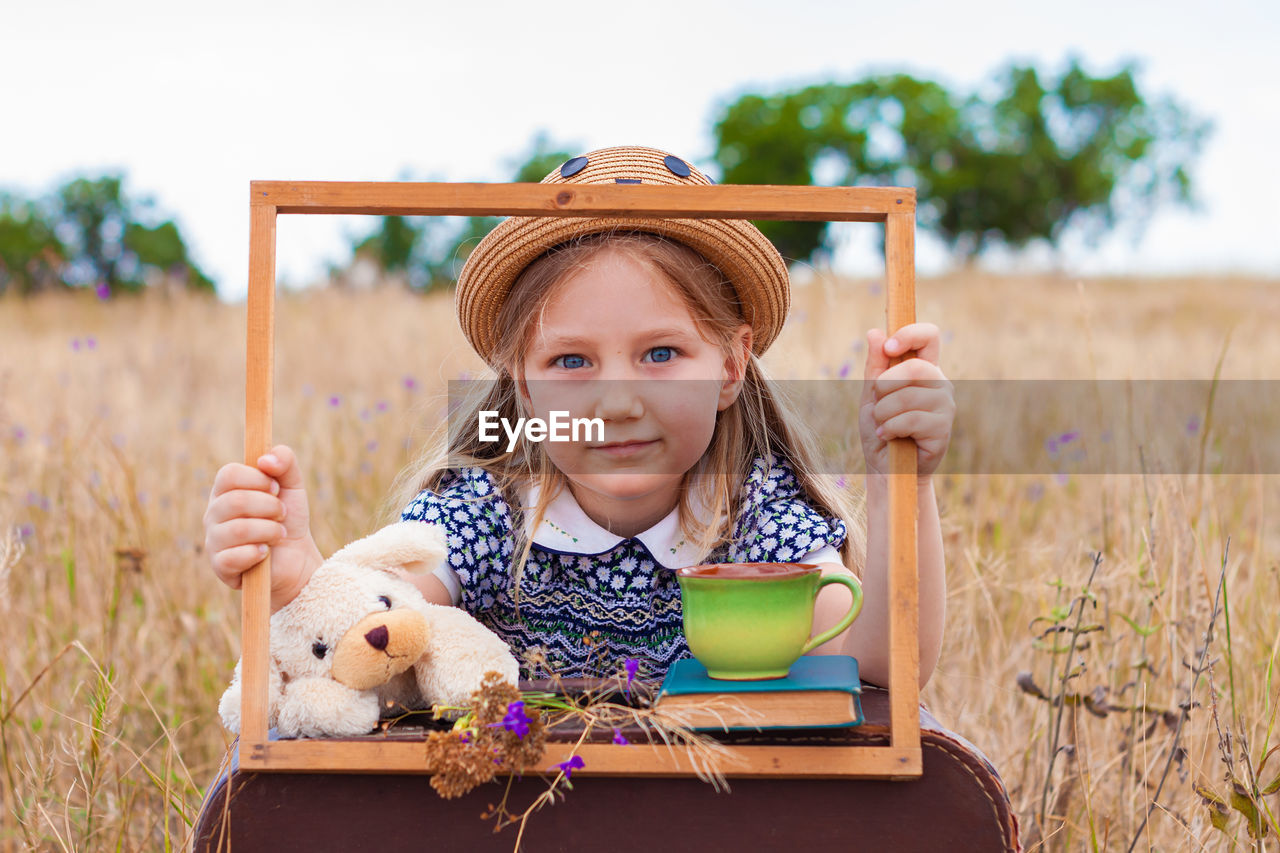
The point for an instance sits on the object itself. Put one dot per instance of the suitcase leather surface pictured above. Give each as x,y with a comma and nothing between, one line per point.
958,804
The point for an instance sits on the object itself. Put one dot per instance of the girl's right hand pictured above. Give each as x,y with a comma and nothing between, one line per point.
252,510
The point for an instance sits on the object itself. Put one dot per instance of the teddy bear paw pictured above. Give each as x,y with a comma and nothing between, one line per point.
321,707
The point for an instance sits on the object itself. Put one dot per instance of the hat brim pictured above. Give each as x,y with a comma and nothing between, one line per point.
745,256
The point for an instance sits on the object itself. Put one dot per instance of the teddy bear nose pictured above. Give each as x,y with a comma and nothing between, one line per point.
378,637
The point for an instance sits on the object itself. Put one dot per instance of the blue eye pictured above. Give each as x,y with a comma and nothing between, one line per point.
661,354
570,362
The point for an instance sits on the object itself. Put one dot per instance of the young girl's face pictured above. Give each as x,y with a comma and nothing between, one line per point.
615,341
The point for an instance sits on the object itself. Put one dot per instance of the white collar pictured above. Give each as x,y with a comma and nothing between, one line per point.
567,529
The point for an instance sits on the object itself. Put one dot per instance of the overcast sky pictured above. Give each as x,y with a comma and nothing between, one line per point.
194,101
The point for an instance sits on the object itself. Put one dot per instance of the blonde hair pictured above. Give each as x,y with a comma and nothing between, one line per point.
761,422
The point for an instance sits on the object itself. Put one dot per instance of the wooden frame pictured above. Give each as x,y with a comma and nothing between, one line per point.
894,206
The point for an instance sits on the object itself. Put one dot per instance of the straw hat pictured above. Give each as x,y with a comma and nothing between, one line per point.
746,257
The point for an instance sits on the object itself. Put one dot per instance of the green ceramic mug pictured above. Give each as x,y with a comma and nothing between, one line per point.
751,621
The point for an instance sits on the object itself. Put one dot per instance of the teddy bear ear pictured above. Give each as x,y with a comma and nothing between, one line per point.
413,546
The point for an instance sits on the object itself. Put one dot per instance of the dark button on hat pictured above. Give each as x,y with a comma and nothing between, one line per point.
573,167
626,180
676,165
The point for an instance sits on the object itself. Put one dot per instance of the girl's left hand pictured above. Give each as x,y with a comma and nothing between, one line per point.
911,399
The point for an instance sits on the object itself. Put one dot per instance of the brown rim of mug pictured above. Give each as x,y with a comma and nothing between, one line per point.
791,570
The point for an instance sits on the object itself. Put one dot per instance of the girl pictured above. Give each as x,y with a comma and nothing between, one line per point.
654,328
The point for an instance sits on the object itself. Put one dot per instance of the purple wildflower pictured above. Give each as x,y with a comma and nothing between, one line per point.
632,666
75,344
26,531
91,342
382,405
516,719
1052,445
19,433
840,482
1068,437
619,738
103,290
567,767
1193,424
844,369
371,445
410,383
334,400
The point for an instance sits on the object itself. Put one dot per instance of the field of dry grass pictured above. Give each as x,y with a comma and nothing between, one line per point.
117,640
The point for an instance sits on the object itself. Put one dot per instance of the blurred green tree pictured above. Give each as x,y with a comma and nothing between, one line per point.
31,254
428,252
90,233
162,248
111,248
392,245
1026,163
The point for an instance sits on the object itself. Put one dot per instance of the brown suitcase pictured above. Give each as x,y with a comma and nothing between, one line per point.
959,803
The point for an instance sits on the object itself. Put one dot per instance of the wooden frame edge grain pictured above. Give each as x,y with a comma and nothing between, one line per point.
894,206
816,204
409,756
255,601
904,593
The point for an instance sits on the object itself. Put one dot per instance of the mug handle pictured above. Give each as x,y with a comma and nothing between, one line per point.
855,588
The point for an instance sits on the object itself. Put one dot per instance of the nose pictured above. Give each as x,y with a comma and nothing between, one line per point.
618,400
378,637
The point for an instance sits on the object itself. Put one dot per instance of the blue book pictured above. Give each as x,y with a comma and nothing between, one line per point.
820,691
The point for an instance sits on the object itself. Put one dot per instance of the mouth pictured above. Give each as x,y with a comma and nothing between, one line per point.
624,448
393,665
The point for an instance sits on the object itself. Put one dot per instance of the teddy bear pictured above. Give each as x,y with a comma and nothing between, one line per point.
359,642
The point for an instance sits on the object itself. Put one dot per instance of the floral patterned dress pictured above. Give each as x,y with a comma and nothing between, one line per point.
589,599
